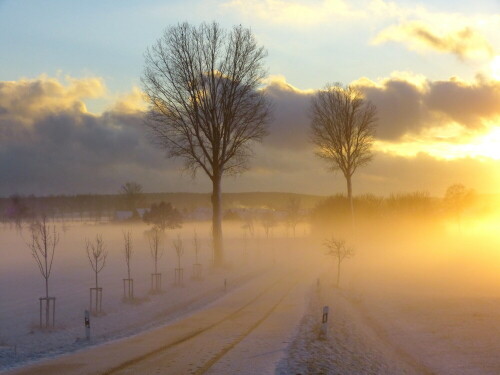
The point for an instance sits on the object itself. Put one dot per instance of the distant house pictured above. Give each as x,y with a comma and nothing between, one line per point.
123,215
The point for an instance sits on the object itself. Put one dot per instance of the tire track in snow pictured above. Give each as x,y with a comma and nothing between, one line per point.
131,365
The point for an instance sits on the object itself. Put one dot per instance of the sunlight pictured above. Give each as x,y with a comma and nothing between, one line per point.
495,68
486,146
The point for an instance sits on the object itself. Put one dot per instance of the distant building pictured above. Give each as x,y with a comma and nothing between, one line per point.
122,215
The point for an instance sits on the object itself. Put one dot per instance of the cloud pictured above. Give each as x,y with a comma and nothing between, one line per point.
411,106
50,143
464,42
27,100
468,103
289,128
54,145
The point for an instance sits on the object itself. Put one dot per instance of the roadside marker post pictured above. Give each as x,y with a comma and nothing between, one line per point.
87,325
324,322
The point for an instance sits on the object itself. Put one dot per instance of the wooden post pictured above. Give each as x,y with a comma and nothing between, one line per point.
98,300
48,302
197,271
156,282
128,289
178,276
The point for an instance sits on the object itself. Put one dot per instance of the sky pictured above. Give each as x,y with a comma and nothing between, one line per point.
71,104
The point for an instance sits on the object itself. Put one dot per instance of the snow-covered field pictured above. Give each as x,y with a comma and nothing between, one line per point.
21,285
422,303
408,304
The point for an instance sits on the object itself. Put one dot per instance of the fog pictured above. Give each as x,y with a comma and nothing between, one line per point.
409,268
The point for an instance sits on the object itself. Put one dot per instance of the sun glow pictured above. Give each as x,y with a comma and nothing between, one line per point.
495,68
486,146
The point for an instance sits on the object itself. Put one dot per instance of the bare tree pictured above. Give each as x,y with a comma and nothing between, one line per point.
197,268
127,250
206,106
179,249
293,213
154,239
343,127
44,240
17,210
132,192
163,216
97,257
268,221
249,226
339,250
197,246
457,198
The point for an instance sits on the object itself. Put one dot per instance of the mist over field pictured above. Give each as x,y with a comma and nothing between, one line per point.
250,187
413,263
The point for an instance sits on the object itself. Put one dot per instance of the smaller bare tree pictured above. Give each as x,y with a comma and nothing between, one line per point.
249,226
154,239
197,246
268,221
338,249
155,236
179,251
97,257
293,213
196,265
456,199
44,240
132,193
128,283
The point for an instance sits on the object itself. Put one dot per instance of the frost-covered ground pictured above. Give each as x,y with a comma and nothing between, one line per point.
351,346
427,304
21,285
410,307
449,335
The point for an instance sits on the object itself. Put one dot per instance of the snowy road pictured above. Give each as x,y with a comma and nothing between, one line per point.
247,330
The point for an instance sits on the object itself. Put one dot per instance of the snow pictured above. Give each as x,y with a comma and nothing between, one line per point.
396,312
351,346
21,285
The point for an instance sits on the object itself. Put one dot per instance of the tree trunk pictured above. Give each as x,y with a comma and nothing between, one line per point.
96,291
349,197
47,309
217,220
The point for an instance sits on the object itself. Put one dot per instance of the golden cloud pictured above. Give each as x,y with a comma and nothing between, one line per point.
130,103
464,42
29,99
411,105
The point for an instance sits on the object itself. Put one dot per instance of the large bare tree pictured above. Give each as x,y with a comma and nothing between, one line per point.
206,105
343,127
